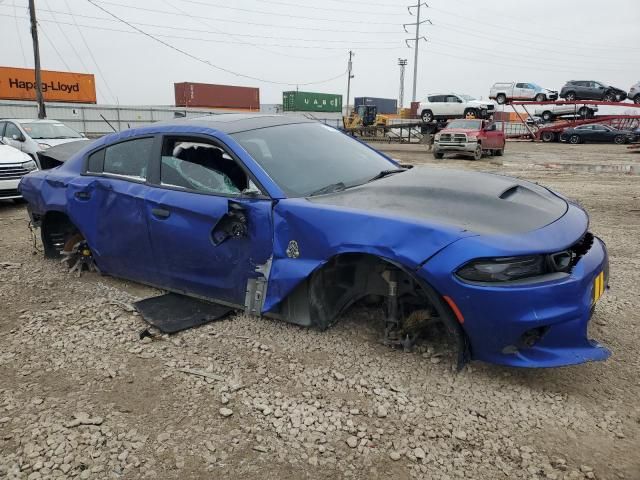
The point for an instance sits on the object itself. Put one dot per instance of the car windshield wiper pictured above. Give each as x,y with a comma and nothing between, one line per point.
334,187
385,173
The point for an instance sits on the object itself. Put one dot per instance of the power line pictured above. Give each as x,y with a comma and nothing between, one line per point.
264,12
170,27
257,24
206,62
333,10
114,99
53,45
15,17
210,40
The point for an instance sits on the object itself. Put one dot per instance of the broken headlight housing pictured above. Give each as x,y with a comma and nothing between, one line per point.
503,269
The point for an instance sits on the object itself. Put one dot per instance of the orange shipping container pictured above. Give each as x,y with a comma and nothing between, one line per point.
19,84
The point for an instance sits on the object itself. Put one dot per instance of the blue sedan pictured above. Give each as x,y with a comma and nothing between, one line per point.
288,218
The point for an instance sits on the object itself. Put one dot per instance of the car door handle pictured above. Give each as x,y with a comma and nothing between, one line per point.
160,213
83,195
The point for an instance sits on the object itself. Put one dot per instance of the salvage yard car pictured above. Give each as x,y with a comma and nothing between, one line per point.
503,92
550,112
33,136
590,90
14,165
469,137
594,133
285,217
451,105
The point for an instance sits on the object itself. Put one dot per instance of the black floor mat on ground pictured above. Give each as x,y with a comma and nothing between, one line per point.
172,313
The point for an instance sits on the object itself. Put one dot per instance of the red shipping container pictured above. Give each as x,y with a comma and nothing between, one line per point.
208,95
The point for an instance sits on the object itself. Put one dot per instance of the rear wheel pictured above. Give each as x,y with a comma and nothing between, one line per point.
499,152
547,116
541,97
427,116
570,96
477,153
574,139
548,137
584,112
619,140
501,98
438,155
636,99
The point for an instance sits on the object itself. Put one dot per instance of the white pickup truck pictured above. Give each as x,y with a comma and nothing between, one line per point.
439,106
503,92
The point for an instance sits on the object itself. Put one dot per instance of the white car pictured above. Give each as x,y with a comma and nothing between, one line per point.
33,136
14,165
451,105
550,112
503,92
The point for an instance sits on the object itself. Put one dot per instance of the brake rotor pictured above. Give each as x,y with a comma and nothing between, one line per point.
76,254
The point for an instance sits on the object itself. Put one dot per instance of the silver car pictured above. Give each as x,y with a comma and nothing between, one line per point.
550,112
33,136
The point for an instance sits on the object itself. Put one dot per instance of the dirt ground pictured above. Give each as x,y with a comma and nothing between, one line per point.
82,396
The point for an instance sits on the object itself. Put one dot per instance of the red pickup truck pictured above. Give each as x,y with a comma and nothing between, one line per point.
469,137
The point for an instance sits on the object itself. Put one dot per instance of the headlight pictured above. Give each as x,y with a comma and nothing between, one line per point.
503,269
30,165
437,137
44,146
471,138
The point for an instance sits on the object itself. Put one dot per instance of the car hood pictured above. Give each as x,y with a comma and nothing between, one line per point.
56,141
9,154
477,202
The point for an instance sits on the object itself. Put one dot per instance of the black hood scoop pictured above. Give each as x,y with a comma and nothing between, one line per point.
478,202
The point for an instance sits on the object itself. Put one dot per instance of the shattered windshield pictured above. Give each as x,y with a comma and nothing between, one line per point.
310,158
41,130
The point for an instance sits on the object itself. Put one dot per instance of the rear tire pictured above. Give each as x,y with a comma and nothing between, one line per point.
619,140
584,112
427,116
548,137
636,99
477,153
541,97
547,116
499,152
501,99
438,155
575,139
570,96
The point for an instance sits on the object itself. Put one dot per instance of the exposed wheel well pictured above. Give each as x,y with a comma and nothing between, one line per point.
55,229
347,278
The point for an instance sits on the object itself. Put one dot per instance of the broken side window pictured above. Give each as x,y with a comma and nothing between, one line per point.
201,167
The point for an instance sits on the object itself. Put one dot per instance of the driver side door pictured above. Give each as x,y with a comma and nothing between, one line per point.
209,223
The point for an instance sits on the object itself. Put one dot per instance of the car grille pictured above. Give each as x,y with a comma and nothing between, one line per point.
9,193
12,172
453,137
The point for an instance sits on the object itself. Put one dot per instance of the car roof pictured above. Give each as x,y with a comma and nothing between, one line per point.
237,122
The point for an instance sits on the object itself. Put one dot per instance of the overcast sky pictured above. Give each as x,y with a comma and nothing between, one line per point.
471,44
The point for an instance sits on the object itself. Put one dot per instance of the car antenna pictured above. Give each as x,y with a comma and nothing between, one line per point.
107,121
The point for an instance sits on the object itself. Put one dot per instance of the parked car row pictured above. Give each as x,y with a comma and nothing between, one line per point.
503,92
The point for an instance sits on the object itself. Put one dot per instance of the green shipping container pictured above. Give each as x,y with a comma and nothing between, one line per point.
311,102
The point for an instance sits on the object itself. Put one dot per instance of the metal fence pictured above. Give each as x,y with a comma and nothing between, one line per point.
88,118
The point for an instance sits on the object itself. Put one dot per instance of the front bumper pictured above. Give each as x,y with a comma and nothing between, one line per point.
465,147
499,319
9,189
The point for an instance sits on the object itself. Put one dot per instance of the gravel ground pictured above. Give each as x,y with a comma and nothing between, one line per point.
82,396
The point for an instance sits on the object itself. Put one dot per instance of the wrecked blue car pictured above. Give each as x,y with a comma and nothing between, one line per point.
288,218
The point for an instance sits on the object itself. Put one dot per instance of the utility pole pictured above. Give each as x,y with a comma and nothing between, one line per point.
403,63
416,41
349,77
36,58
